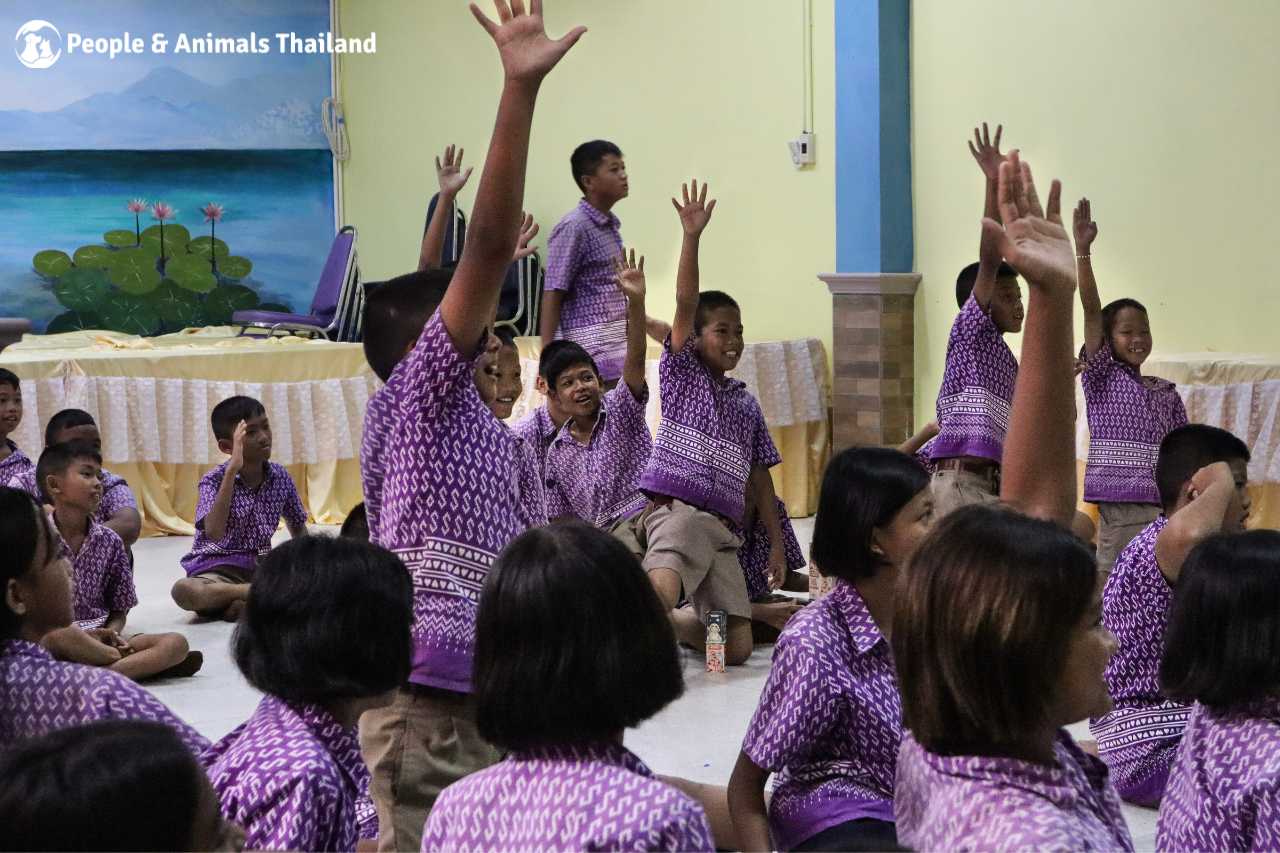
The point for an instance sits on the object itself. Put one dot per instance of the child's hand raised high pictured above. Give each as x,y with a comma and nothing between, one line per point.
1086,229
986,152
696,211
528,54
449,175
1033,241
528,230
630,276
236,464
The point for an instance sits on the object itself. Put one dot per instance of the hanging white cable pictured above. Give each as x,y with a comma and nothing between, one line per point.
804,65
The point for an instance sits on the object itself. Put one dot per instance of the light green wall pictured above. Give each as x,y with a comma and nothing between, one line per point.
703,88
1163,112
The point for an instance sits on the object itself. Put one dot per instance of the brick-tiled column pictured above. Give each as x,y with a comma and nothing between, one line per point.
873,315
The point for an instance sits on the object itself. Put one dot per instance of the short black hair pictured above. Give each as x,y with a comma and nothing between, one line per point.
549,670
228,414
559,356
506,334
327,618
708,301
863,488
356,524
66,419
1222,646
74,789
23,525
969,277
395,313
1110,311
8,377
586,158
57,458
1186,450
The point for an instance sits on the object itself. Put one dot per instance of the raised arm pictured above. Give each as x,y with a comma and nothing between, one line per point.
989,158
527,56
1038,472
631,283
913,444
215,520
1086,231
1211,492
451,179
695,213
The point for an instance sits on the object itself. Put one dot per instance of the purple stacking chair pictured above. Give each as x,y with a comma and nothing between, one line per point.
337,308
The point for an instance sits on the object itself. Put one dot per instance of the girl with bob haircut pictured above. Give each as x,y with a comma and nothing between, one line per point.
37,693
1222,652
325,634
74,789
829,720
557,684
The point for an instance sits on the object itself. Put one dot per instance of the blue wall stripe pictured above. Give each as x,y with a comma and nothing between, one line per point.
897,246
857,51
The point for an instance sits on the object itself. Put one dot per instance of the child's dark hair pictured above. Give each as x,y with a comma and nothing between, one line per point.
550,671
1110,311
969,277
863,488
708,301
1222,646
23,525
228,414
586,158
1186,450
57,458
395,313
66,419
356,524
327,618
559,356
981,628
506,334
8,377
74,789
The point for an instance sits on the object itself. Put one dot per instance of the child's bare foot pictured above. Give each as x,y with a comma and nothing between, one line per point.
189,666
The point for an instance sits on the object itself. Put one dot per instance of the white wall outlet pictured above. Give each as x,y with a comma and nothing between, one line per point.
802,150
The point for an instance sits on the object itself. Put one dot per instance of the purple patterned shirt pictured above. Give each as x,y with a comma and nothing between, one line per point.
102,577
116,494
438,487
39,695
599,482
829,720
1129,415
754,553
977,388
711,435
253,519
16,464
1138,738
580,256
532,506
584,797
537,429
1224,790
291,775
973,802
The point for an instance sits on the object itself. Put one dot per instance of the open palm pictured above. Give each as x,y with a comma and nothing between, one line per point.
696,211
1086,229
527,52
630,275
987,152
1032,240
449,174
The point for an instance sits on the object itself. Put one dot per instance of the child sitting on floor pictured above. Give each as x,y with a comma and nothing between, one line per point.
13,462
70,479
498,382
118,508
241,502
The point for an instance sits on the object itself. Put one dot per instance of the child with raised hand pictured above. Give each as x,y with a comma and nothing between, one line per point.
436,465
1202,474
240,506
70,479
829,719
325,635
497,376
562,704
1129,414
13,462
1222,652
73,789
39,694
118,508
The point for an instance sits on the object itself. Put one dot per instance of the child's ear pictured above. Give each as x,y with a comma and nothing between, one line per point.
225,445
13,598
541,385
876,547
52,485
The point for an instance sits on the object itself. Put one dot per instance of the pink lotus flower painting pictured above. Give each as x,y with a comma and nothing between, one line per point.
136,206
160,212
213,215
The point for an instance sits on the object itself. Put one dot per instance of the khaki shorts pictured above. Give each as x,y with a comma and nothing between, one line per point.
696,545
221,574
1118,524
954,488
421,743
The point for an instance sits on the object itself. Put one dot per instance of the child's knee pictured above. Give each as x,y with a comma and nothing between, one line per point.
185,593
738,644
174,646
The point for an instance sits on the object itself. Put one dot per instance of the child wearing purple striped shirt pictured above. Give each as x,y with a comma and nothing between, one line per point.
1129,414
436,465
1202,474
239,508
829,721
561,706
325,635
500,386
13,462
102,574
1222,652
39,694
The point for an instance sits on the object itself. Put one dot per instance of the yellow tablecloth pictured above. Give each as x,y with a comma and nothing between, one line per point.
152,398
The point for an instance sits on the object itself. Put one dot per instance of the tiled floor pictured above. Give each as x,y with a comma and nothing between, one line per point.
697,737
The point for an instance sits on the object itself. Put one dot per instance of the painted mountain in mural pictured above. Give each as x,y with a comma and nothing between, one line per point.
169,109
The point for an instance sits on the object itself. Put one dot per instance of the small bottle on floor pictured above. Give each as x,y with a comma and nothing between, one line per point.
717,629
